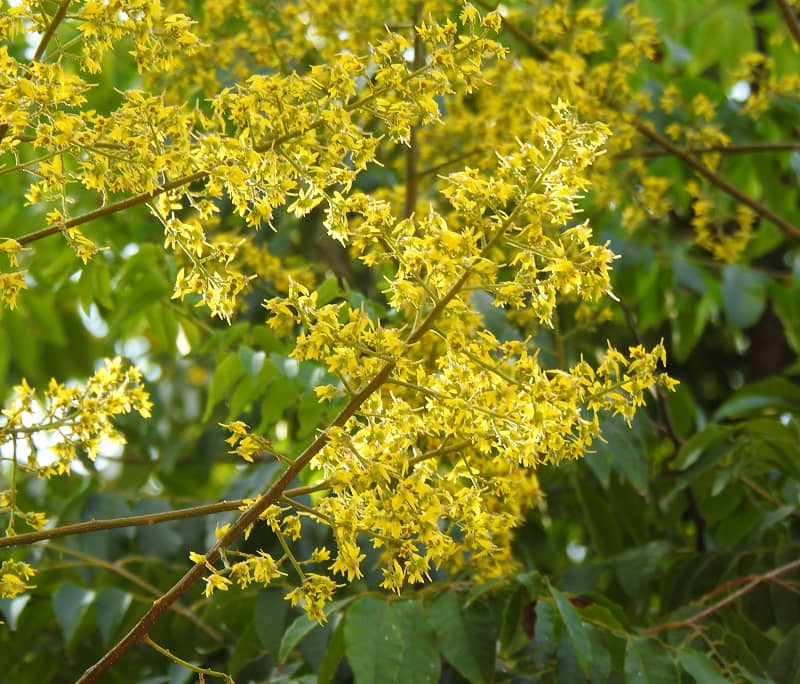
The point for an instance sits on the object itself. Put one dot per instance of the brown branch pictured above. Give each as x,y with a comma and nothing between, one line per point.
195,176
791,20
141,628
115,523
735,148
714,178
752,582
126,203
58,17
142,520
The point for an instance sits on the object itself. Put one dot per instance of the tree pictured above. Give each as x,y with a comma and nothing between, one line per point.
418,341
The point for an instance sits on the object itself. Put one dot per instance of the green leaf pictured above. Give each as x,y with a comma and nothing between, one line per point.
328,290
246,647
510,622
598,516
774,395
466,635
694,447
333,655
722,37
647,661
700,666
109,609
634,566
743,296
12,609
269,616
252,361
784,663
581,643
228,372
601,656
544,634
70,604
688,327
390,641
302,626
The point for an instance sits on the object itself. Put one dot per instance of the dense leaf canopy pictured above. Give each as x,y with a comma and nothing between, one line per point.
412,341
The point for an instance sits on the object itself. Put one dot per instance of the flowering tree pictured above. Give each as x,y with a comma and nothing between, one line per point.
348,378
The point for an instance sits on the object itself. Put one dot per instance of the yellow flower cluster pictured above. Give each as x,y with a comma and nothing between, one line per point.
76,419
435,460
266,141
724,234
14,578
438,464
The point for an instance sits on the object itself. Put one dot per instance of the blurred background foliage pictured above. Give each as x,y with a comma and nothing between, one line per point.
670,553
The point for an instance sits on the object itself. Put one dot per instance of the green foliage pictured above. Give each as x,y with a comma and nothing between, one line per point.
669,553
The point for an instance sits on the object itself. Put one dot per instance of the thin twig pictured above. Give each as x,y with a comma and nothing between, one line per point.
134,579
201,671
517,32
466,155
791,20
731,598
734,148
142,520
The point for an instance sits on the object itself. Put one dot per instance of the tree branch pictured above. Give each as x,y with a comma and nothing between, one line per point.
735,148
187,179
752,582
715,179
791,20
115,523
142,520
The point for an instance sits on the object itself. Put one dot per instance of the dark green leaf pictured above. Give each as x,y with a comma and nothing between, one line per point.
109,609
701,667
269,616
743,296
390,641
302,626
647,661
466,635
784,663
634,566
333,655
577,631
70,604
